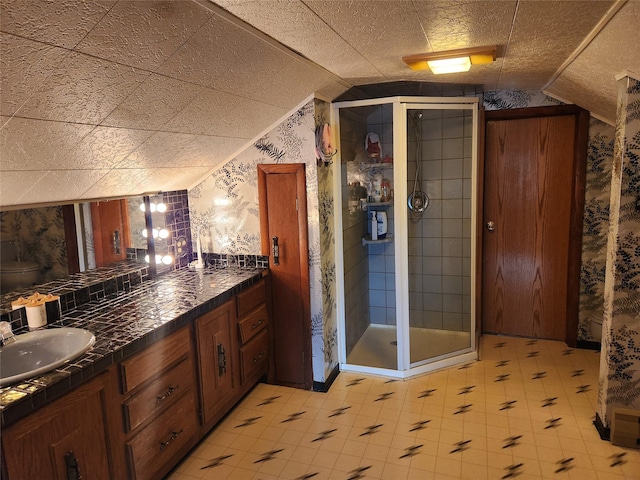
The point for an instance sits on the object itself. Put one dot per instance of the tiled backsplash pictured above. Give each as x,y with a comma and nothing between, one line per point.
78,289
97,284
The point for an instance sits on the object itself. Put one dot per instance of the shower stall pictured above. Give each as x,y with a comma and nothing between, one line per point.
406,230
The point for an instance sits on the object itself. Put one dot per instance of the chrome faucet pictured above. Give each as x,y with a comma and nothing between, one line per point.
6,334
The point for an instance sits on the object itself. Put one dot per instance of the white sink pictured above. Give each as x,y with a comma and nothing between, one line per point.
40,351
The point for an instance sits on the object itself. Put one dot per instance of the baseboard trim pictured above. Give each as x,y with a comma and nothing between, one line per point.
326,385
588,345
605,432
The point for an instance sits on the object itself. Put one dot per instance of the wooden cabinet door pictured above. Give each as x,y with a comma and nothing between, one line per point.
66,439
215,358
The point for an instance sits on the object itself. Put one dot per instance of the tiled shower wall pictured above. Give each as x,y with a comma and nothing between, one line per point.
439,239
356,262
382,277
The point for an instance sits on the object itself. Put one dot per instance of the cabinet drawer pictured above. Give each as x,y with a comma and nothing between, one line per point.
163,391
159,441
254,357
154,359
253,323
251,298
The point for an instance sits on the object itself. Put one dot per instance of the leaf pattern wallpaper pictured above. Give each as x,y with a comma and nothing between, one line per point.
38,235
619,383
224,212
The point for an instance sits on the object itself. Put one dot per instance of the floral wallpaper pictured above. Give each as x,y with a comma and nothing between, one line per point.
224,212
619,382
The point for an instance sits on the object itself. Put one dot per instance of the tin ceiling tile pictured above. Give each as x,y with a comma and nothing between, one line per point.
61,22
144,34
28,144
25,66
149,106
83,89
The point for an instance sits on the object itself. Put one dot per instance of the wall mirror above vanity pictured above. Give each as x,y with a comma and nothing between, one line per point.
53,241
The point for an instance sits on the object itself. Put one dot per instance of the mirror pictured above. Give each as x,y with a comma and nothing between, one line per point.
39,235
47,238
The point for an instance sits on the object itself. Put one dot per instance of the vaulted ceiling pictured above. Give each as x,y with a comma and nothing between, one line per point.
110,98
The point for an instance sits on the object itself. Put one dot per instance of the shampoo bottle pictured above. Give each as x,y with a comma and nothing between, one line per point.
374,226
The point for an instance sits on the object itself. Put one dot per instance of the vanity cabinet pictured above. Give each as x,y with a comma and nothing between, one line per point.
158,405
217,353
253,320
141,416
233,348
66,439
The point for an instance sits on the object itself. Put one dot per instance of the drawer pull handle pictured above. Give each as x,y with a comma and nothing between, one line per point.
166,395
257,324
222,360
73,469
259,357
173,436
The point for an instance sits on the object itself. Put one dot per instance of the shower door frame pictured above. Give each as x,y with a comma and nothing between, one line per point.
400,109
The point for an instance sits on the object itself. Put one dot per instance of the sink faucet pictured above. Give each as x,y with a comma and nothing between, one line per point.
6,334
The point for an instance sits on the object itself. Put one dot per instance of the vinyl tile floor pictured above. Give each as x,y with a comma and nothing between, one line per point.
524,411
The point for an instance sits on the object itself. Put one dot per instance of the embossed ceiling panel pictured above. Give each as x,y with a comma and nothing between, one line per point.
60,22
144,34
82,89
13,186
209,53
28,144
532,58
25,66
294,24
141,95
149,106
174,178
595,69
62,186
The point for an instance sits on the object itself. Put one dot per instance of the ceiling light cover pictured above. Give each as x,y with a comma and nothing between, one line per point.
462,59
449,65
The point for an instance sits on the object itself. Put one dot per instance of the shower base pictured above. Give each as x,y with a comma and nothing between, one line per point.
377,345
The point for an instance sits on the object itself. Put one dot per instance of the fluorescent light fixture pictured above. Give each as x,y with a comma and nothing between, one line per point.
451,61
449,65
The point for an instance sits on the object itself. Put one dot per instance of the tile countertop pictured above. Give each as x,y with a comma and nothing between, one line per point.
124,323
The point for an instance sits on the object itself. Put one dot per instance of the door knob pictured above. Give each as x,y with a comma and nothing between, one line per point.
491,226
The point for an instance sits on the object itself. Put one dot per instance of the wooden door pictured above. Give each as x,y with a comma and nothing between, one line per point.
533,206
110,224
283,214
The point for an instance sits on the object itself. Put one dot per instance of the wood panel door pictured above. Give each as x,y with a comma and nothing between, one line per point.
283,214
533,206
110,224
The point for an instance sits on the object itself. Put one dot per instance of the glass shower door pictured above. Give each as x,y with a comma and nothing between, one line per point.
439,155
